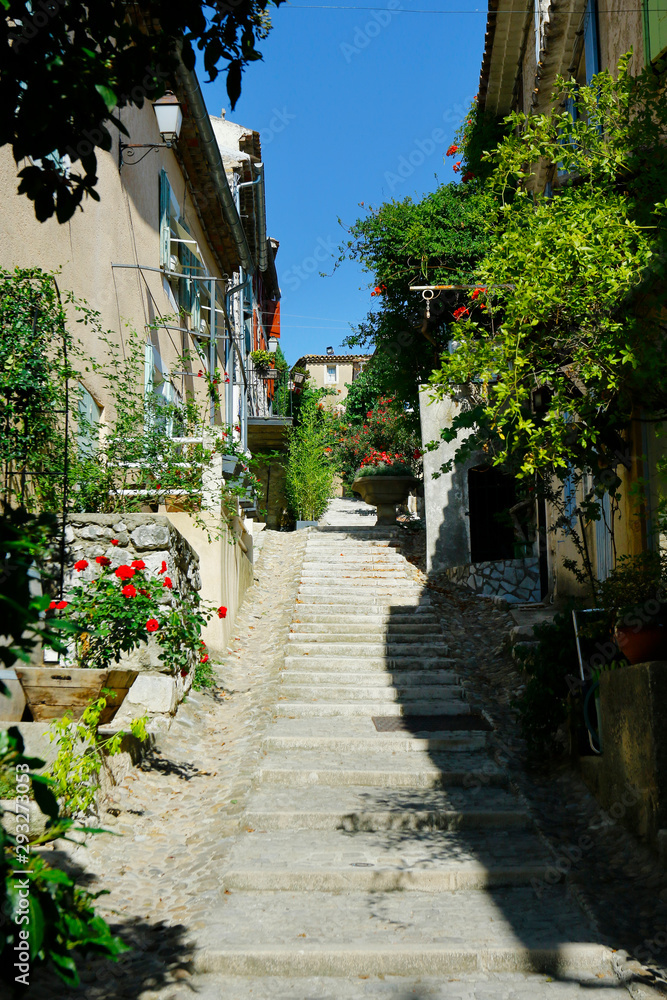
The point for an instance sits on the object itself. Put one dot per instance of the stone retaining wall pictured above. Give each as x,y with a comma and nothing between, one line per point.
516,580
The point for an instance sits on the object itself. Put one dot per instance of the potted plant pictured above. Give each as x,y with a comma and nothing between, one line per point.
384,480
113,613
264,362
633,596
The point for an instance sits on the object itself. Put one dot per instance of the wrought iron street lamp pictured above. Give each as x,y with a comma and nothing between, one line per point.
169,115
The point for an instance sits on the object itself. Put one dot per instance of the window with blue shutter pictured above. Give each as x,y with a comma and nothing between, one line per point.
165,219
591,40
87,437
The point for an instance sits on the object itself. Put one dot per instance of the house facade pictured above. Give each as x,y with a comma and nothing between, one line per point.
477,531
333,371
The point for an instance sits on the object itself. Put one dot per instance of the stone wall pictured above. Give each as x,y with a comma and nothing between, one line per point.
516,580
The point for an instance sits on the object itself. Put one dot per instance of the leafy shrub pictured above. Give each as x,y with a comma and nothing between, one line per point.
309,472
386,429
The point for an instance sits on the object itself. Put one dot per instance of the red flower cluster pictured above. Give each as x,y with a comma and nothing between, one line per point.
167,583
81,564
375,458
114,541
379,290
129,590
468,176
222,612
138,564
456,167
57,605
477,292
103,560
453,150
124,572
461,312
163,568
204,658
152,625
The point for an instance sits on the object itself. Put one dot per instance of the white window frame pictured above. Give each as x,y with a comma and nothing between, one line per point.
327,375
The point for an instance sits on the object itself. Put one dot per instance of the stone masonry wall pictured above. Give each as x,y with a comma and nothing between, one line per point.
516,580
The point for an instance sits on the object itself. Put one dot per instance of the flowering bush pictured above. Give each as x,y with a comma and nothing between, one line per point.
385,429
120,609
381,463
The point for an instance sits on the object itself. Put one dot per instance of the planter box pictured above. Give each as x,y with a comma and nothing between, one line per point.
384,492
51,691
230,465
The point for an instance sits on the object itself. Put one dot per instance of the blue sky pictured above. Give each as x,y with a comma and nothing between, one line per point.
352,106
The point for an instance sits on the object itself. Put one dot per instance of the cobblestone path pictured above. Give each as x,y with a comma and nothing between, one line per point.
382,853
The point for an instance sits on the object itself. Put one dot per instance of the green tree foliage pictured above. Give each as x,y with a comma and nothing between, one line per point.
575,282
70,67
439,240
309,471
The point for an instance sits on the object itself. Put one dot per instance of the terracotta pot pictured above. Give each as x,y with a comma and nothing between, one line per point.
384,492
51,691
649,643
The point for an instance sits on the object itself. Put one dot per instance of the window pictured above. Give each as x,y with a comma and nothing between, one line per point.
655,30
331,375
160,390
88,430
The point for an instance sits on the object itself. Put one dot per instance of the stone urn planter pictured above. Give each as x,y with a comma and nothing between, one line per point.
11,708
384,492
51,691
642,646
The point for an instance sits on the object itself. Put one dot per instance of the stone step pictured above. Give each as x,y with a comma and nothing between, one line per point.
372,628
370,634
364,617
381,663
398,679
384,861
366,692
438,742
313,710
360,647
355,934
338,603
353,809
466,986
398,770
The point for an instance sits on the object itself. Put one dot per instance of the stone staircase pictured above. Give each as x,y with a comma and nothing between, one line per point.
369,851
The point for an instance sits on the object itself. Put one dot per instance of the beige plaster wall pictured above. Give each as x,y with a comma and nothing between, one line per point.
621,29
226,574
344,374
122,228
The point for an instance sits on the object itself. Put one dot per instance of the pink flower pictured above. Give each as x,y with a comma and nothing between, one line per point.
81,564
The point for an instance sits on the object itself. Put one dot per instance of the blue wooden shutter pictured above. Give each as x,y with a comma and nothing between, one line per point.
591,40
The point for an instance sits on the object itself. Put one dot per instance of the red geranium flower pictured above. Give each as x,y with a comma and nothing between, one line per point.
52,605
129,590
204,658
81,564
163,568
61,605
152,625
468,176
103,560
144,593
138,564
167,583
222,612
114,541
124,572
